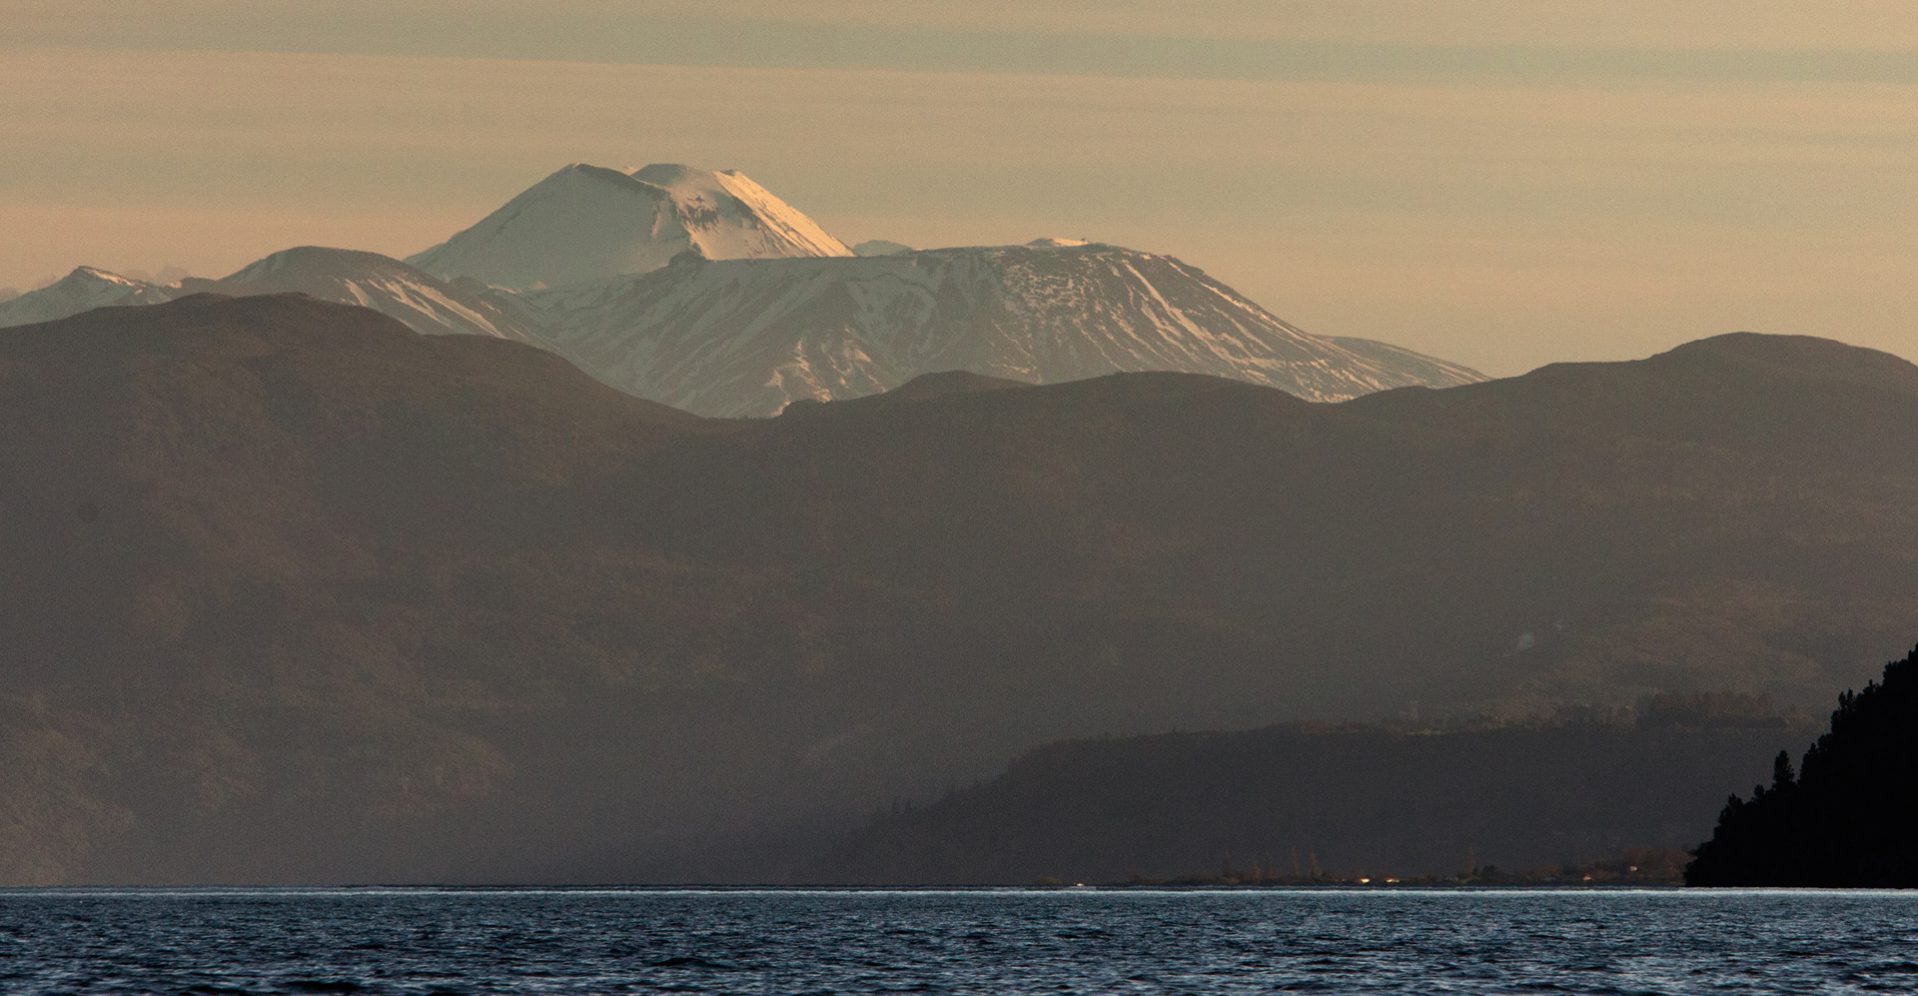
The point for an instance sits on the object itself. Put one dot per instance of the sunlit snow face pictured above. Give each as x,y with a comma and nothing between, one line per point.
585,223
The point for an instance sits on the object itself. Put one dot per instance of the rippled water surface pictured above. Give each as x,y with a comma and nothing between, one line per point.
424,941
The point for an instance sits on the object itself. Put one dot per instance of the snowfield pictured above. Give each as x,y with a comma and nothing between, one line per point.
750,337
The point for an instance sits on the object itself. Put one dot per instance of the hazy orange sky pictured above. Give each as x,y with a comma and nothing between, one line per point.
1500,183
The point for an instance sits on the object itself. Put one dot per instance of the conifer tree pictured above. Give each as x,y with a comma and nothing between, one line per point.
1848,817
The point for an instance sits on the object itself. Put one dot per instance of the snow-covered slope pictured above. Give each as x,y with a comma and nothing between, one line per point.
84,289
588,223
425,304
1419,368
747,337
422,302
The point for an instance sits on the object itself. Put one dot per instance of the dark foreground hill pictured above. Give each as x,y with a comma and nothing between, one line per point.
1848,819
361,605
291,590
1290,800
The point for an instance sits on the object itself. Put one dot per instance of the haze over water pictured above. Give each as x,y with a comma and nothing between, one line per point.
1002,941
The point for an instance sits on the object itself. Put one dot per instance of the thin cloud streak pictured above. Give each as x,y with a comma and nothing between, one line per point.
1470,43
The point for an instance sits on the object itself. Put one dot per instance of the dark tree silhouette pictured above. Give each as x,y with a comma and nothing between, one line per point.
1849,818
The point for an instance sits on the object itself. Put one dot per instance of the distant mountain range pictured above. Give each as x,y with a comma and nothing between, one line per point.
703,290
422,302
364,605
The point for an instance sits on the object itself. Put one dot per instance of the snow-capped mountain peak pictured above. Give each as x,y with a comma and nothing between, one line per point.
419,300
588,222
84,289
95,275
317,261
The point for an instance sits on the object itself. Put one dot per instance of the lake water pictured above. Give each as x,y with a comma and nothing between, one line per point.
456,941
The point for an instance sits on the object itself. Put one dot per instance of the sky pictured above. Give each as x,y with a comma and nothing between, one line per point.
1504,184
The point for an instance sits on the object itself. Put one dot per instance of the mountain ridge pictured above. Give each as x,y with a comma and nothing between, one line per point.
285,571
1352,800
